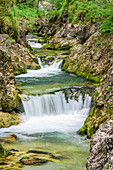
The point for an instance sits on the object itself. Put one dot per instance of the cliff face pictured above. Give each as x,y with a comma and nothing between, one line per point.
91,57
71,34
8,93
101,148
14,59
103,107
21,57
94,61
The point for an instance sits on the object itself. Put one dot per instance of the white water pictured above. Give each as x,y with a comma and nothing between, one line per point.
56,65
45,71
35,44
50,113
56,104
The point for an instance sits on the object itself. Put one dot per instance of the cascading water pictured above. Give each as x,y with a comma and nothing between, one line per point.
55,65
56,104
51,121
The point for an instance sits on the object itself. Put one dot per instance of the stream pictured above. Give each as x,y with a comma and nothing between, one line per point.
55,105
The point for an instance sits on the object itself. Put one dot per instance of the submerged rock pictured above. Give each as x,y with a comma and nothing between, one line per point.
45,153
31,161
101,148
10,138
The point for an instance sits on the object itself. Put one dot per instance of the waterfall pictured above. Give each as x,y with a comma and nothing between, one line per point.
55,104
55,65
40,63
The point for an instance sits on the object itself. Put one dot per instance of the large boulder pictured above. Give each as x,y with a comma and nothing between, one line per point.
21,57
101,148
8,94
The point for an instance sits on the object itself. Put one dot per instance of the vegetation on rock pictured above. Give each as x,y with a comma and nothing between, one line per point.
8,119
3,153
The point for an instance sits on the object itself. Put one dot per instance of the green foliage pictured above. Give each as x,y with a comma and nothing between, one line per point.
24,11
83,11
108,88
8,21
30,3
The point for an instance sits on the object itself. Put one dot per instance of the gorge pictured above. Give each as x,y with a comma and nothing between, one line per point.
61,81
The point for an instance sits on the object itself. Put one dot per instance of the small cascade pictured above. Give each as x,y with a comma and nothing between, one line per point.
56,104
55,65
35,44
40,63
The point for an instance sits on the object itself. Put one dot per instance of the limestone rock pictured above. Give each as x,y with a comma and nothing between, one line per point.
20,56
101,148
14,58
8,93
92,59
71,34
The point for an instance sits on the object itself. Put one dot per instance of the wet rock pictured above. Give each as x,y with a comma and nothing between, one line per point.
10,138
32,161
101,148
45,153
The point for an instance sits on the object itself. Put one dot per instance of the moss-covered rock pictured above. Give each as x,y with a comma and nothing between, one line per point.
103,107
8,93
21,57
18,70
3,152
91,60
8,119
101,148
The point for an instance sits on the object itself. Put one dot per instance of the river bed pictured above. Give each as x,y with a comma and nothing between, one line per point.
56,106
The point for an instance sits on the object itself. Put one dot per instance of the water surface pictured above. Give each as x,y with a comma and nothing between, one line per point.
55,108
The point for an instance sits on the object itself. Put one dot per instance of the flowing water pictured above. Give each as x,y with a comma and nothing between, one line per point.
55,108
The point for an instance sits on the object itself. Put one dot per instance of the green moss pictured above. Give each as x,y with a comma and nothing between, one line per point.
18,71
74,68
24,157
42,40
108,88
94,119
56,46
3,152
35,60
89,127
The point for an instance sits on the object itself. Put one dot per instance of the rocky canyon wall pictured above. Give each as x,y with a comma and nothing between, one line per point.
14,59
